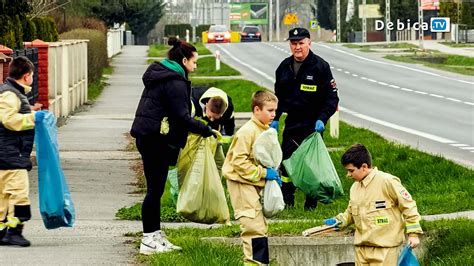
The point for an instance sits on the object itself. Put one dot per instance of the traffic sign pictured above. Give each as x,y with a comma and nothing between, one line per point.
290,18
314,25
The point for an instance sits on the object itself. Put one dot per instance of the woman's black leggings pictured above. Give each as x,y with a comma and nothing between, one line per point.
157,155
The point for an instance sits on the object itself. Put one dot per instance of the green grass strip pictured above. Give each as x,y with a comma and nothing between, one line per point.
452,63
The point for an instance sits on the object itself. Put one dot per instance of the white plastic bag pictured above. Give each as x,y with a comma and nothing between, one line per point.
267,151
272,199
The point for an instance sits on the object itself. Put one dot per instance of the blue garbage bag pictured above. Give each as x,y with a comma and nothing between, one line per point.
56,206
407,258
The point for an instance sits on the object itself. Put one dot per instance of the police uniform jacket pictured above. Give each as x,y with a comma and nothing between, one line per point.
17,123
382,211
306,96
165,107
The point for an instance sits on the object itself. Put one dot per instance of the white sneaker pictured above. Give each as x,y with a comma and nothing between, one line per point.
149,246
160,237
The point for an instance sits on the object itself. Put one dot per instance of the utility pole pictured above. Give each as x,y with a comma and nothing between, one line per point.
193,17
277,20
420,22
222,12
387,20
270,21
364,23
338,15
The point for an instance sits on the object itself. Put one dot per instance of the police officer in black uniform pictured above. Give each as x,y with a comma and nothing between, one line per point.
307,92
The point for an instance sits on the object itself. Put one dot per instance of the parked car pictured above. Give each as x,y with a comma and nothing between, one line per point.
250,33
218,33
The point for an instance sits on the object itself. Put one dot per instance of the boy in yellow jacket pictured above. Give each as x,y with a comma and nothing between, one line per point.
17,121
246,179
381,209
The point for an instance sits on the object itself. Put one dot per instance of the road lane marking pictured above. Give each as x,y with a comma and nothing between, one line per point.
420,92
458,145
454,100
382,83
436,95
395,65
467,148
397,127
394,86
405,89
247,65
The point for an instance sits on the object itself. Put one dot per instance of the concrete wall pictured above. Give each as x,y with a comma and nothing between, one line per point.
311,251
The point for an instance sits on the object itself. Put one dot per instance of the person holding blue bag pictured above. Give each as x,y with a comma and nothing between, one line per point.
17,122
55,203
381,208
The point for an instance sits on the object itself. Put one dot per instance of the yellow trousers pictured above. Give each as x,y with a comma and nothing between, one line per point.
253,225
14,194
377,256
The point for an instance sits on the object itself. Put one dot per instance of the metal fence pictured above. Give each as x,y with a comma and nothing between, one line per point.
32,54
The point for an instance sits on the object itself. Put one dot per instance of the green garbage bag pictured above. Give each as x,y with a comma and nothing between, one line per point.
174,189
310,168
201,196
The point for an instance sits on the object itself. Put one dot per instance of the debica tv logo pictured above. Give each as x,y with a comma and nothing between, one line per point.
440,24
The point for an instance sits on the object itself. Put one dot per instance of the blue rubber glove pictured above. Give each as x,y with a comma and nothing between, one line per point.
39,116
330,221
272,174
319,126
274,125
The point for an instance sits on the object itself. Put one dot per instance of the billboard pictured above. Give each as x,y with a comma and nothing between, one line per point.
249,13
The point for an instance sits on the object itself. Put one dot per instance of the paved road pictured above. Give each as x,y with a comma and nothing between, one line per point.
428,109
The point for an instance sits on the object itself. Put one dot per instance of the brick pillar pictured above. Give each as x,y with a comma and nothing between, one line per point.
43,94
5,58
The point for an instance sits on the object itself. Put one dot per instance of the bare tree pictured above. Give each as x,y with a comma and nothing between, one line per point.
41,8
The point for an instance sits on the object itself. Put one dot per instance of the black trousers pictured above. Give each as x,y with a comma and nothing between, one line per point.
157,155
292,139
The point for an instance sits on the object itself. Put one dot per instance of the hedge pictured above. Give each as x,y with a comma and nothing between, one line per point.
180,29
14,30
96,50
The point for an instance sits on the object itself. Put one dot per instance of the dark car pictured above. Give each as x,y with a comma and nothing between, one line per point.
218,33
250,34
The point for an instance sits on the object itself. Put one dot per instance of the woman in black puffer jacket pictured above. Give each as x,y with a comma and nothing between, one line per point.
161,126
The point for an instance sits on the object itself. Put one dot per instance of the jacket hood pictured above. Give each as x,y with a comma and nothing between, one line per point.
213,92
158,72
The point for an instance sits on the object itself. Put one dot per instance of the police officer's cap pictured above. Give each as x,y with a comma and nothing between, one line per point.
298,34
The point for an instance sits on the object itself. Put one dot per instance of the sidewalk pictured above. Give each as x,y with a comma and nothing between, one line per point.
436,45
97,167
431,45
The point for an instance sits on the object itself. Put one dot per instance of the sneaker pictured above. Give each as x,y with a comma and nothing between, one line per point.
160,237
149,246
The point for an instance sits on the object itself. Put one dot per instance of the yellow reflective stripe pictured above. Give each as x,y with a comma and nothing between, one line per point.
255,176
413,227
27,123
342,218
12,222
285,179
